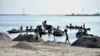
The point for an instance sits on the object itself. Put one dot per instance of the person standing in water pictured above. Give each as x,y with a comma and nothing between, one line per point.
67,38
54,31
27,30
83,25
44,22
21,28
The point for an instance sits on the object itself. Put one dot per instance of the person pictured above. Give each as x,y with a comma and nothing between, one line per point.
49,32
26,29
85,31
57,27
31,27
67,38
39,29
70,25
54,31
44,22
83,25
40,33
21,28
36,39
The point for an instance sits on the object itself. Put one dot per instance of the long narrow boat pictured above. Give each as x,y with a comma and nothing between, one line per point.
20,31
77,27
15,31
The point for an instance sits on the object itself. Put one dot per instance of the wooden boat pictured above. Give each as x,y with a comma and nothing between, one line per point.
48,27
77,27
15,31
58,33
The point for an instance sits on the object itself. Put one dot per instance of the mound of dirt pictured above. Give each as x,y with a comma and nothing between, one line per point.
88,41
28,38
4,37
24,45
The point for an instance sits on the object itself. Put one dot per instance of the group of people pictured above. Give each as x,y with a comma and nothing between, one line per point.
27,28
76,26
40,31
57,30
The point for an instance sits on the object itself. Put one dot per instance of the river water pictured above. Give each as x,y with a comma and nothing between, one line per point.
9,22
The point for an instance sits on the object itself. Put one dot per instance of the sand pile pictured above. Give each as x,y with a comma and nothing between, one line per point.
4,37
24,45
28,38
88,41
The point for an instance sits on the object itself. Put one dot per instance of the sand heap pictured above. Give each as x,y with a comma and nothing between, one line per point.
88,41
28,38
24,45
4,37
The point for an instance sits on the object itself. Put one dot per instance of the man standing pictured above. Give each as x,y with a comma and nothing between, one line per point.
67,38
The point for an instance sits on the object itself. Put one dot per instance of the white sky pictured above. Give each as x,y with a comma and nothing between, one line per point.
49,6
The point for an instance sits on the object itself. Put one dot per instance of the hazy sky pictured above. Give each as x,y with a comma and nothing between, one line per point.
49,6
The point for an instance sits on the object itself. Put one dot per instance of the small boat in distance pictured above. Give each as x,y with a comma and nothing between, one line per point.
77,27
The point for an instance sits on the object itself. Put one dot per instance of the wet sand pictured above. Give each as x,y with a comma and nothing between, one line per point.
47,49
